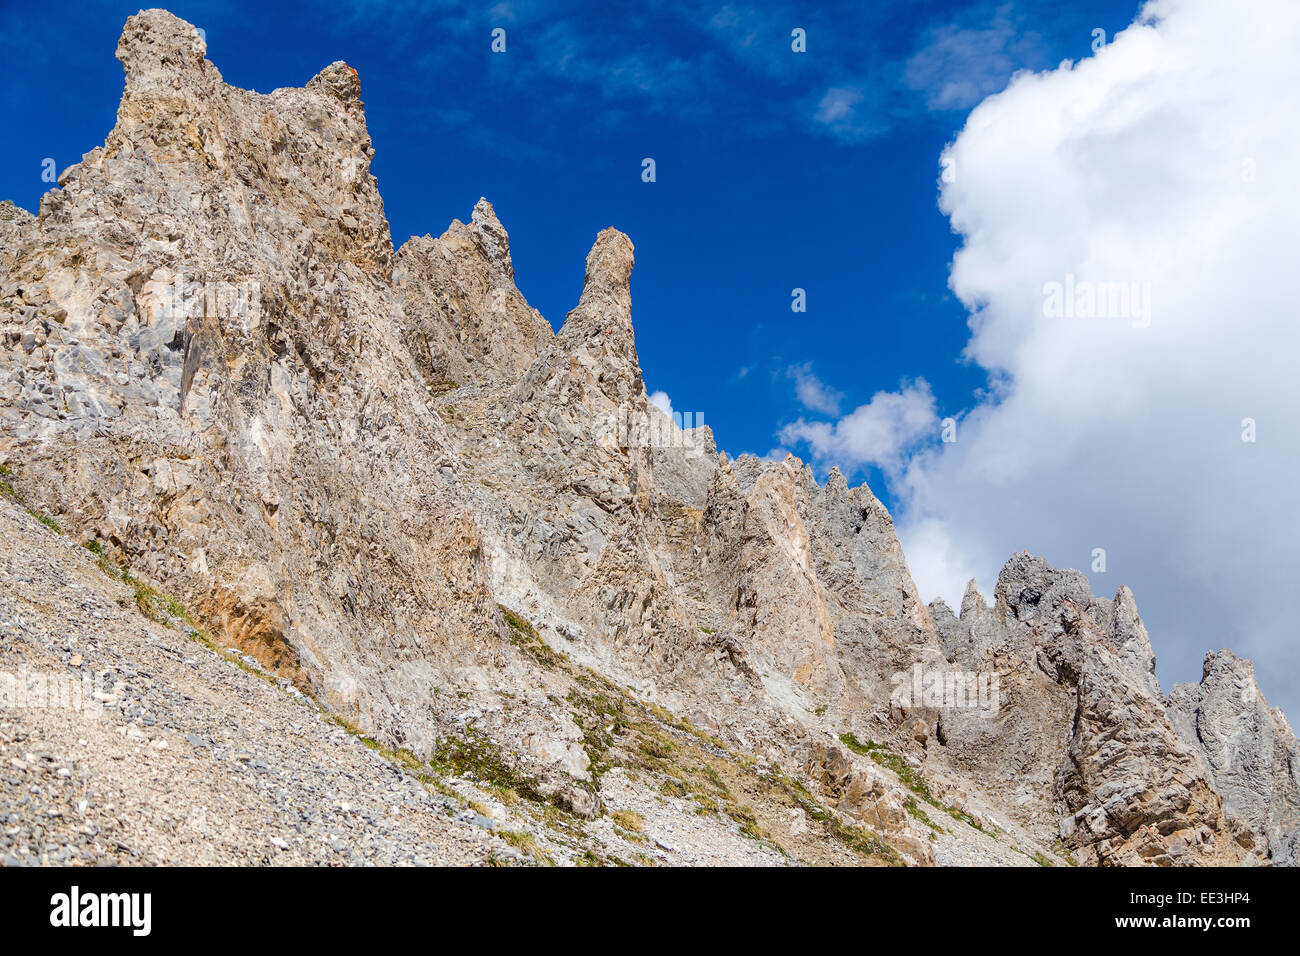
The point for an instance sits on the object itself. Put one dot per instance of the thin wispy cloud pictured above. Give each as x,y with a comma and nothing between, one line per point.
957,65
698,62
846,113
813,393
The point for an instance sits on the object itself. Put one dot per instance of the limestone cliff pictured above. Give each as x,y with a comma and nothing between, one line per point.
384,478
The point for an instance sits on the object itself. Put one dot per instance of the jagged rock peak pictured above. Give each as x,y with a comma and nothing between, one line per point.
12,218
340,79
836,482
464,319
605,306
237,347
159,51
609,263
492,236
484,230
972,600
1247,747
484,214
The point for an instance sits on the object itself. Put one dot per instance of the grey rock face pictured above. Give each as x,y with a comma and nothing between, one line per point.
1083,722
1247,747
347,460
204,371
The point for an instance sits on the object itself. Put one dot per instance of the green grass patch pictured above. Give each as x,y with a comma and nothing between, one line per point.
885,756
856,838
852,742
1064,853
965,818
603,720
1039,857
8,490
478,756
46,520
914,810
524,636
527,843
655,747
910,778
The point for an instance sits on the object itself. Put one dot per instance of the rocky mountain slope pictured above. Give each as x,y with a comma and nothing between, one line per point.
570,630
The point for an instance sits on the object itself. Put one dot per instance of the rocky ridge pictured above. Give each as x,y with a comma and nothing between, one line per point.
386,481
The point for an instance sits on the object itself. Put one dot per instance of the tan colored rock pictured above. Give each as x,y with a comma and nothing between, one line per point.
344,460
222,396
466,320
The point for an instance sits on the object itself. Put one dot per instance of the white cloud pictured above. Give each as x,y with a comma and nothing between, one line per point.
880,432
958,66
1167,158
845,112
933,557
662,400
812,392
1165,161
837,105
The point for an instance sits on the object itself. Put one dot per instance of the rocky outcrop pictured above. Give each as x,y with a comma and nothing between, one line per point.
12,220
385,478
1084,711
1247,748
204,372
466,320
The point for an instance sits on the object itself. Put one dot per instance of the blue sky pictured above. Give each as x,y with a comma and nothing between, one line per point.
775,169
820,170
